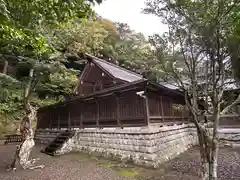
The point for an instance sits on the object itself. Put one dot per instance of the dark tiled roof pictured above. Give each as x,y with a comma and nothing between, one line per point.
116,71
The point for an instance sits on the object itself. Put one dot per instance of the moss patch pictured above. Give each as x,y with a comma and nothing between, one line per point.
123,169
128,173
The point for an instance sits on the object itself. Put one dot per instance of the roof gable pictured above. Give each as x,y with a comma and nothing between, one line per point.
114,70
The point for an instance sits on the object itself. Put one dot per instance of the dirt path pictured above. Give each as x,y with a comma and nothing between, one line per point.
79,166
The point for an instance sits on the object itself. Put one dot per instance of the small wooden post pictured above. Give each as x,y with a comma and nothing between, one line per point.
69,120
50,122
183,113
171,103
146,110
98,113
81,119
118,111
75,120
162,112
58,124
158,107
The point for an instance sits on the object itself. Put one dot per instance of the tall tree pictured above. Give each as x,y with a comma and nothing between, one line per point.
21,38
198,36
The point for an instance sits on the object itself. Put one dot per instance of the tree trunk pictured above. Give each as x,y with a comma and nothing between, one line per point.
5,68
27,91
204,153
213,163
24,149
215,145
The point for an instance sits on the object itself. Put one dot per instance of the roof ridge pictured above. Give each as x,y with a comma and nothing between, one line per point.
115,65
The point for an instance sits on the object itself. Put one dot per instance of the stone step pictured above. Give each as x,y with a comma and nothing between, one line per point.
57,143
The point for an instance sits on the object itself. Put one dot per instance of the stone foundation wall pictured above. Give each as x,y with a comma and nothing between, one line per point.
148,146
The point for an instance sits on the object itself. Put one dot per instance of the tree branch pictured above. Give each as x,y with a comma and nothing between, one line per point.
228,108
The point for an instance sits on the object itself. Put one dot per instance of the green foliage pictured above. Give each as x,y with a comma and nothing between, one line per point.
25,46
58,84
75,37
10,94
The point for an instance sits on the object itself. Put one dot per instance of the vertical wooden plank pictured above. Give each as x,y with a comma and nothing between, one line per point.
162,112
146,110
98,113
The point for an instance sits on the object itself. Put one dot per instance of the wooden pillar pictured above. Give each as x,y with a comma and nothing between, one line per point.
81,118
146,110
69,120
98,113
75,120
38,120
162,112
158,107
118,111
58,124
50,122
183,113
172,112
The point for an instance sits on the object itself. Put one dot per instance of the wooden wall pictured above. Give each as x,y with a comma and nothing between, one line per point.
94,79
126,109
165,109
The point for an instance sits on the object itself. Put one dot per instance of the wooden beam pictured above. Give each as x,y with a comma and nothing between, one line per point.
146,110
164,117
162,112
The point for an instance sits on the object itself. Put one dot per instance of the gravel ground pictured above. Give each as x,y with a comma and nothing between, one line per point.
67,167
78,166
187,166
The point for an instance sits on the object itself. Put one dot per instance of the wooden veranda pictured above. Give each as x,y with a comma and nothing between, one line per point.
138,103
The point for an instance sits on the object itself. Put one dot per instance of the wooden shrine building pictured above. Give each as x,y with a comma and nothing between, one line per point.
111,96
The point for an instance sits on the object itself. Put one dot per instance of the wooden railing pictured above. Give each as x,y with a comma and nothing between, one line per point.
12,138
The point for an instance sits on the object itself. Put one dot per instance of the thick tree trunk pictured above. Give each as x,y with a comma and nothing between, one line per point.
204,154
24,149
213,164
215,145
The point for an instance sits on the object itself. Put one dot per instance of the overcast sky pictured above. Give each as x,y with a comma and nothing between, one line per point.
129,11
